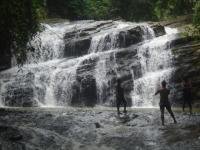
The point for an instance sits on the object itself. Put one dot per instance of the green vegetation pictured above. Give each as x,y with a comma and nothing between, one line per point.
79,9
133,10
193,29
196,19
171,8
19,23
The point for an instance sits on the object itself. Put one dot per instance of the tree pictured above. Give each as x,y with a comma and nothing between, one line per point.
97,9
19,23
172,8
196,18
195,29
69,9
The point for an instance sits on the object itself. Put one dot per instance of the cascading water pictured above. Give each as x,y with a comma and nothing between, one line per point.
156,61
78,63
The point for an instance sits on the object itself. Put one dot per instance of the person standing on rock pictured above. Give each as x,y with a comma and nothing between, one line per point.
164,102
187,96
120,99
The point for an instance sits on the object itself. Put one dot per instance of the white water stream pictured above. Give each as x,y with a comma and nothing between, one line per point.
156,61
55,76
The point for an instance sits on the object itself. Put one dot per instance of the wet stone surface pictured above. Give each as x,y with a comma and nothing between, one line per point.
97,128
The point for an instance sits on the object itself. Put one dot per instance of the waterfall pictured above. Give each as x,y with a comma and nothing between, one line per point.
48,44
78,63
101,77
156,61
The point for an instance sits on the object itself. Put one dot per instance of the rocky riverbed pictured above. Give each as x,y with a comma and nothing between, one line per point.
96,128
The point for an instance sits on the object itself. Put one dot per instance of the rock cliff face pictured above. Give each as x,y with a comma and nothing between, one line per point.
81,61
187,61
79,41
20,92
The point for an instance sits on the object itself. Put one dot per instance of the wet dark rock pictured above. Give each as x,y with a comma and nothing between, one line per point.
70,35
133,36
97,125
10,133
16,138
107,43
77,47
187,58
158,29
88,92
180,40
17,95
129,37
75,100
85,89
76,130
87,66
78,41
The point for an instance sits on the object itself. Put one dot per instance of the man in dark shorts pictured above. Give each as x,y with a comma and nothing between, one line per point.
120,97
164,102
187,96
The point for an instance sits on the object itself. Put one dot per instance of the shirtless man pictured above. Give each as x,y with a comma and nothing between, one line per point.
164,102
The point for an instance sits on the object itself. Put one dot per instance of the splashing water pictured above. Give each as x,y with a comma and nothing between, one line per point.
53,80
156,63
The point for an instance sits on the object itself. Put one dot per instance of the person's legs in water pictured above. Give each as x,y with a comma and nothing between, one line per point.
125,104
118,106
190,106
184,101
187,100
162,110
168,107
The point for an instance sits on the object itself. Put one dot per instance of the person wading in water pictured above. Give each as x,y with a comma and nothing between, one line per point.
120,97
164,102
187,96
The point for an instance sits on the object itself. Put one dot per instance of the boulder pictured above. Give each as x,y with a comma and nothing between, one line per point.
20,93
85,91
97,125
77,47
158,29
88,91
134,35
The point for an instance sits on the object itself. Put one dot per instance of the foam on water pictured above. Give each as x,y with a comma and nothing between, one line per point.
54,76
156,62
